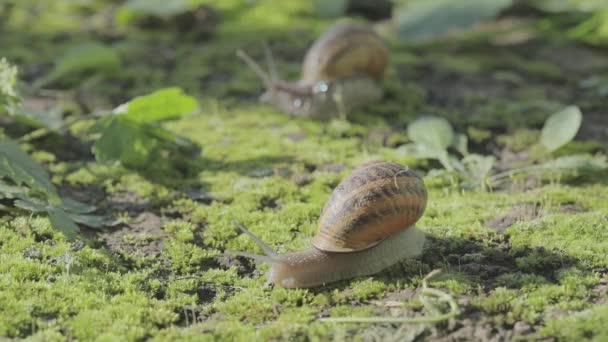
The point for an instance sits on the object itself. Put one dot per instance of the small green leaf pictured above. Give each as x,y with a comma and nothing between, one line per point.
561,127
87,57
63,223
435,134
424,19
9,100
460,143
164,104
478,168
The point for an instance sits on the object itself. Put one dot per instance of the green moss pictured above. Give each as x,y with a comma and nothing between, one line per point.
52,289
590,324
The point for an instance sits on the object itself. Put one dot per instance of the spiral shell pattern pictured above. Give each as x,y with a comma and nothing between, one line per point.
377,200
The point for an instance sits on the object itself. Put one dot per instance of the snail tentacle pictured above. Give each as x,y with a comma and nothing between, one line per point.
271,254
263,75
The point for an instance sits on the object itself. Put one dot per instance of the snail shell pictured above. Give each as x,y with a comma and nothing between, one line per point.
366,226
374,202
345,50
341,72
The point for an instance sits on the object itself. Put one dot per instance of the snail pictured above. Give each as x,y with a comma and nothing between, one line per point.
367,225
341,72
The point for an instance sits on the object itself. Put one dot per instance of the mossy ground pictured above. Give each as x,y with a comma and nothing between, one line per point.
526,261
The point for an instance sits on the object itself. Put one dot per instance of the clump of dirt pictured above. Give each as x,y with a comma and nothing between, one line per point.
302,179
89,194
601,292
127,201
520,212
141,238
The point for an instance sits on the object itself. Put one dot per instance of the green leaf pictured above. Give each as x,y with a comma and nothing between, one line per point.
424,19
478,168
124,141
22,169
135,145
93,221
78,207
11,191
433,133
164,104
460,143
31,204
9,100
561,127
86,57
62,222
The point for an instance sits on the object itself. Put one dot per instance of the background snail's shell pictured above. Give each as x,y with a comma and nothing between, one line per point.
377,200
344,50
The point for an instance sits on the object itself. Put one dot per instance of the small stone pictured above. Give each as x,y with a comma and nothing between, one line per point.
302,179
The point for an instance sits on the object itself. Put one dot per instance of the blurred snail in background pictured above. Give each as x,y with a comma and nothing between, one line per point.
341,71
366,226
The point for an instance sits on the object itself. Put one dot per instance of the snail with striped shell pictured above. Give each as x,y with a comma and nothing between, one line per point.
366,226
340,73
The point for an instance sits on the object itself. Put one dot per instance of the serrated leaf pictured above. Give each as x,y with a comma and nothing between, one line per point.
93,221
77,207
561,127
86,57
433,133
31,204
22,169
11,191
424,19
63,223
164,104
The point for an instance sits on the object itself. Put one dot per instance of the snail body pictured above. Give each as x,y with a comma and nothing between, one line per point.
341,72
366,226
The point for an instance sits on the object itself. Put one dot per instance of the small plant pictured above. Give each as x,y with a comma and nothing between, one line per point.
132,137
434,138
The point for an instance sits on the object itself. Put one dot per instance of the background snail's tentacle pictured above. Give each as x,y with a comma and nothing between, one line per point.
270,64
266,79
270,253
